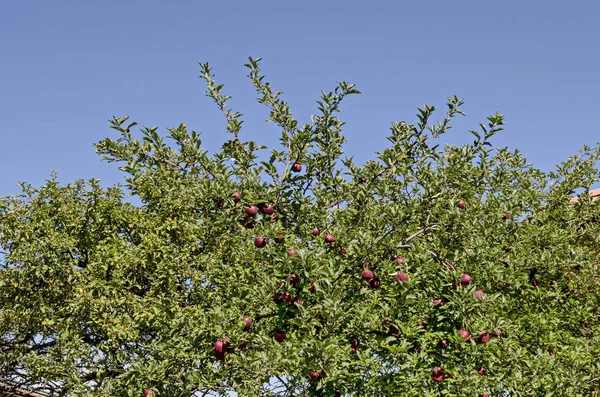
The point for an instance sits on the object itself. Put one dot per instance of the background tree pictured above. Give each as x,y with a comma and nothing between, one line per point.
429,271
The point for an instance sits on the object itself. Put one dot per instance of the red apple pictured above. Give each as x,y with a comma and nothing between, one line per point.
367,275
463,333
298,302
294,278
401,277
342,251
398,260
443,344
314,375
438,302
393,330
329,238
478,294
506,216
297,167
438,374
461,204
484,338
287,297
354,345
268,209
280,239
484,395
375,283
220,349
148,392
292,252
251,211
315,231
465,279
260,241
279,336
481,371
247,323
312,287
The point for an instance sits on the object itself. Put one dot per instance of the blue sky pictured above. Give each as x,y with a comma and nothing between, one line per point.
67,66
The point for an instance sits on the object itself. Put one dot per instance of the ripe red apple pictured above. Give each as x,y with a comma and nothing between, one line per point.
484,395
292,252
312,287
481,371
438,374
294,278
484,338
268,209
298,302
148,392
287,297
375,283
279,336
220,349
354,345
443,344
237,197
506,216
401,277
251,211
465,279
342,251
438,302
280,239
329,238
461,204
314,375
398,260
478,294
367,275
463,333
315,231
260,241
297,167
393,330
247,323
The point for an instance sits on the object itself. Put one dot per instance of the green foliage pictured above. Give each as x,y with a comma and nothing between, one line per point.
99,297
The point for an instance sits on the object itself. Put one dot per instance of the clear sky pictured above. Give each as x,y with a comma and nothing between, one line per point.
67,66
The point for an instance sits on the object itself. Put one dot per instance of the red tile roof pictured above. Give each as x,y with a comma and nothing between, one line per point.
594,193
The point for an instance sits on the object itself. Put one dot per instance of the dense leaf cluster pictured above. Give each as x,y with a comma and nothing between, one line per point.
454,271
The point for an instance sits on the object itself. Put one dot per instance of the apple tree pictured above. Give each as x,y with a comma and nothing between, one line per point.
292,271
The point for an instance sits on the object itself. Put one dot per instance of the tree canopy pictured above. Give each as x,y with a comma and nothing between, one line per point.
290,271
